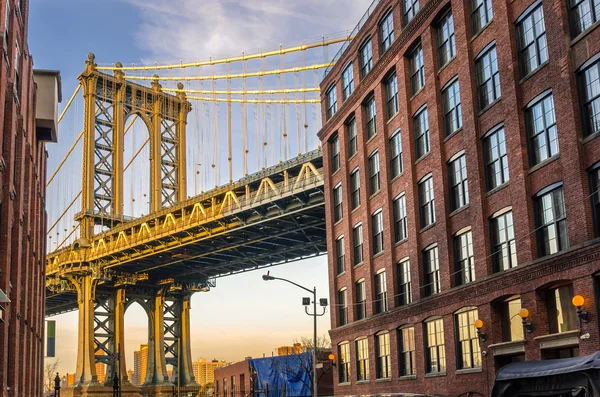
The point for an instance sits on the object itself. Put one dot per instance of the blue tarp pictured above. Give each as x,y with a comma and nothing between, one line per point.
290,373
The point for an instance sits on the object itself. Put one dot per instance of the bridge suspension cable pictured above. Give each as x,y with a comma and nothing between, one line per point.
269,101
62,114
232,76
245,92
63,213
280,51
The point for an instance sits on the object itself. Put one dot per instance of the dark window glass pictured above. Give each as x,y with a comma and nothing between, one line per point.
562,315
541,129
584,13
374,173
426,202
531,34
404,285
381,304
417,70
400,219
481,14
344,362
335,154
391,95
361,300
452,108
331,101
432,271
377,232
337,203
589,80
488,78
595,197
459,185
446,42
409,9
347,82
504,250
340,255
355,188
384,359
435,348
366,58
464,262
407,352
551,222
396,154
358,244
386,31
370,113
469,352
421,127
496,159
362,359
352,138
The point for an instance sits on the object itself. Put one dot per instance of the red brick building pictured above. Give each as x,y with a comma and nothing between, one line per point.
461,145
25,128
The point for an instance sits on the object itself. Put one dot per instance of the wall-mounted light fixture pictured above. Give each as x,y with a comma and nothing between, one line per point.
482,335
527,326
331,358
578,302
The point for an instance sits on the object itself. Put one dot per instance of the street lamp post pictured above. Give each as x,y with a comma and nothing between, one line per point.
306,303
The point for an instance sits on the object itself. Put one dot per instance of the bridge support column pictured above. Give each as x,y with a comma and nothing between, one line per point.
85,374
157,364
118,345
184,374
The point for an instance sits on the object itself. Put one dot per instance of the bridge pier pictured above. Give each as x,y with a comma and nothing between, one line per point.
85,373
157,365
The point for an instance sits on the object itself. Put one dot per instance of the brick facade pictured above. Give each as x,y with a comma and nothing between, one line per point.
22,213
535,276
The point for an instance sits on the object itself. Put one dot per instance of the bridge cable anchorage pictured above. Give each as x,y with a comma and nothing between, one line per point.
64,213
212,62
233,76
244,91
62,114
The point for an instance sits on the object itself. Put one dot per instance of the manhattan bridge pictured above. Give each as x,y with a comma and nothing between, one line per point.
171,176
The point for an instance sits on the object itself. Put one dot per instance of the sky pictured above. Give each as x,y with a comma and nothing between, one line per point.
243,316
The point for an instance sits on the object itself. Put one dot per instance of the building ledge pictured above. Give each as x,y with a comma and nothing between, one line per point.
558,340
508,348
466,371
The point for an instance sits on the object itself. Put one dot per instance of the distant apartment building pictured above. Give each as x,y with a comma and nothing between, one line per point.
140,366
204,371
296,348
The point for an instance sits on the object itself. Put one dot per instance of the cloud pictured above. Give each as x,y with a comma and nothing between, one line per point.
192,29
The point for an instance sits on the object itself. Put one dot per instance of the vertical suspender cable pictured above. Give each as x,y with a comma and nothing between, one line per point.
284,119
304,104
263,129
298,130
229,126
244,111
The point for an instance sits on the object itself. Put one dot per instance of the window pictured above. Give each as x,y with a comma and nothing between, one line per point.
435,350
380,293
377,231
589,80
335,154
512,325
366,58
396,154
352,139
481,14
331,101
531,36
409,9
347,82
504,250
361,300
464,262
404,286
452,108
459,185
391,95
432,271
224,386
417,70
386,31
488,78
374,173
469,352
408,365
371,113
595,196
362,359
7,26
384,360
337,203
495,158
446,42
551,221
584,13
426,202
541,129
400,220
340,255
355,188
421,127
357,237
344,362
342,307
232,386
17,64
562,315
